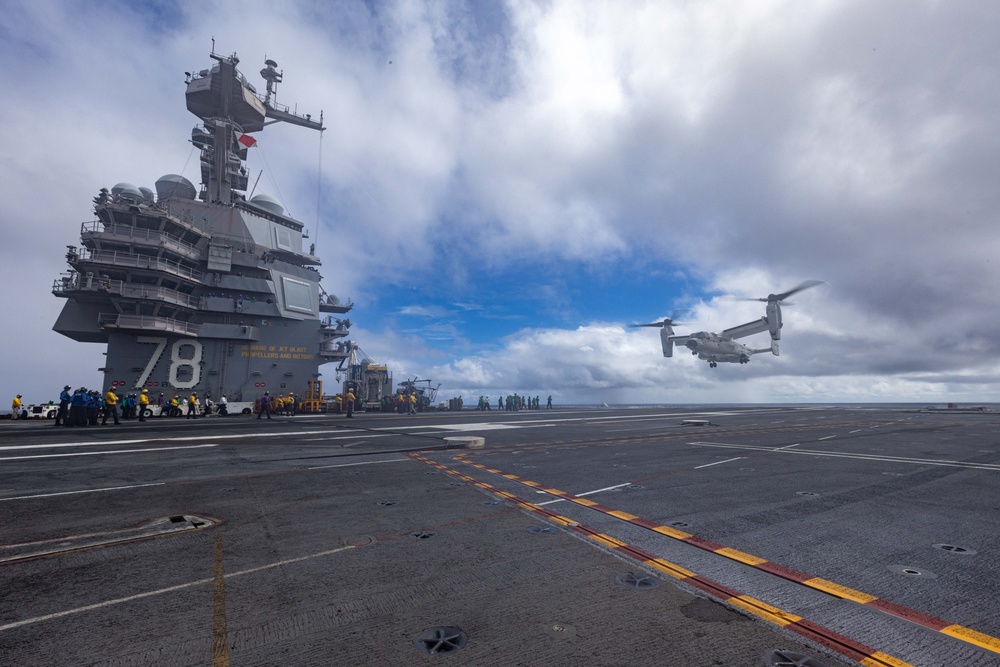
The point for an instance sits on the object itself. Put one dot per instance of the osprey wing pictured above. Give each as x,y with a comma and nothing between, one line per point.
748,329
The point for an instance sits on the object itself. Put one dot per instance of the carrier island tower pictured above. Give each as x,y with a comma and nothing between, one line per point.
205,291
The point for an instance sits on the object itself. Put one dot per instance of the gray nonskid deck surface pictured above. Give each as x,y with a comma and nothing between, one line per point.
335,547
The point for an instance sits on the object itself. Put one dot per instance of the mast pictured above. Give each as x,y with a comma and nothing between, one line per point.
230,107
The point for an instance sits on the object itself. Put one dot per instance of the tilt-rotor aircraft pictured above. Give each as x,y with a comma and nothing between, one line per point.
723,347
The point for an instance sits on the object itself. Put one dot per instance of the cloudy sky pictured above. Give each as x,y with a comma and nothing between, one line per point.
503,187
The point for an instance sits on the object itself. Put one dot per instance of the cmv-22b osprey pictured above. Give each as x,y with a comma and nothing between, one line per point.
723,347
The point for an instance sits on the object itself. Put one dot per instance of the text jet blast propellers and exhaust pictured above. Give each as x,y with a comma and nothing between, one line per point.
723,347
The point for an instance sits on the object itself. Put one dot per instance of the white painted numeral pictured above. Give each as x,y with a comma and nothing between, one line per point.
177,362
160,344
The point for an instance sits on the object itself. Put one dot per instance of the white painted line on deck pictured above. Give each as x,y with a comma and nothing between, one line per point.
169,589
116,451
139,441
358,463
857,430
70,493
60,445
787,446
587,493
346,437
865,457
829,437
717,463
665,427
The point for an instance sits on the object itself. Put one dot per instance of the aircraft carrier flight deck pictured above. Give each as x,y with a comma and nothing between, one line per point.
601,536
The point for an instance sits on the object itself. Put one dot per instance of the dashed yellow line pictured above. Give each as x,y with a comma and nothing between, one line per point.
220,633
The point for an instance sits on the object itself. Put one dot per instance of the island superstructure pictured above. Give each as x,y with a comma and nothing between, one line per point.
205,291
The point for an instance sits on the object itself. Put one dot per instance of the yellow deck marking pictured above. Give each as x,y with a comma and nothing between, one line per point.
973,637
839,591
607,540
879,659
672,532
675,571
220,641
740,556
764,610
622,515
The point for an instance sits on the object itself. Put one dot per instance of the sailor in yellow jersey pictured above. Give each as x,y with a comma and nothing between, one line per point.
110,406
15,407
349,400
143,404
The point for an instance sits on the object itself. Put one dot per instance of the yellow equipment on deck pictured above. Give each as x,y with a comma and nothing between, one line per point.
313,401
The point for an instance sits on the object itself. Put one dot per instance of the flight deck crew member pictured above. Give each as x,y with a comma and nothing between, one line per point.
143,404
78,408
349,399
62,417
413,404
192,412
15,407
265,405
93,406
110,406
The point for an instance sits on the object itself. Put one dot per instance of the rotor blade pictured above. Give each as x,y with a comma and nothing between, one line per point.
784,295
795,290
665,322
658,325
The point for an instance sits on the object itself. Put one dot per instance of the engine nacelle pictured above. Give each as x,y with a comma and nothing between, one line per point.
668,345
774,319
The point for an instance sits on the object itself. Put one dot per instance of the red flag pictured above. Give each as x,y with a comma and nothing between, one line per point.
245,140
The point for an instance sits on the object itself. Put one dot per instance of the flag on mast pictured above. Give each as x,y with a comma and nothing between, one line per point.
245,140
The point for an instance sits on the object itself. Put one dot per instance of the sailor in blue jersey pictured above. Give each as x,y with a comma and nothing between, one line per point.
93,407
63,415
78,408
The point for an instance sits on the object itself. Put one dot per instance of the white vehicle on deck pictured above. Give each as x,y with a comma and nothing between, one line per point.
152,410
46,411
